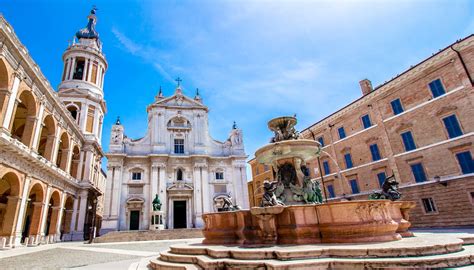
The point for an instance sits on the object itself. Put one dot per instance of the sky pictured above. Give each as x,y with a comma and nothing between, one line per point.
251,60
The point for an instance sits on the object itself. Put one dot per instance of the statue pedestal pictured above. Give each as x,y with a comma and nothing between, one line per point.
157,219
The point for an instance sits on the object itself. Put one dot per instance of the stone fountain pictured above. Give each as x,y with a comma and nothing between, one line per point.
294,229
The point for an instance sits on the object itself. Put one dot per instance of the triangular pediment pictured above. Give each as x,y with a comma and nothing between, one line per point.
72,91
179,100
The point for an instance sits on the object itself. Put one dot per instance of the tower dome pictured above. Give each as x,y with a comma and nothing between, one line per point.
89,31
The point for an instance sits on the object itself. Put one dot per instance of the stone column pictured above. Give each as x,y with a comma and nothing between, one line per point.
49,148
89,76
60,217
69,158
162,189
87,168
79,167
79,233
38,126
74,217
35,225
86,69
198,198
95,128
21,214
11,102
10,218
206,203
83,119
55,222
73,66
44,214
56,145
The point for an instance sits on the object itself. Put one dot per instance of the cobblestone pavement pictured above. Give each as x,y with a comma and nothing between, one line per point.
77,255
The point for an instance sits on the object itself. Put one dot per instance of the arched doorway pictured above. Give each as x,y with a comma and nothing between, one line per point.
24,118
32,221
63,151
52,217
67,216
76,156
3,86
9,203
47,136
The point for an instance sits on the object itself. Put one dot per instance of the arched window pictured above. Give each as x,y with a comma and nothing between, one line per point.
179,175
73,110
79,69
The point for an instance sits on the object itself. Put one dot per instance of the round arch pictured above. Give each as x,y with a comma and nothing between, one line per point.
24,117
63,151
9,188
46,139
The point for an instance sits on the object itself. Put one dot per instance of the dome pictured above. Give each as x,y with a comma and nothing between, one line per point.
89,31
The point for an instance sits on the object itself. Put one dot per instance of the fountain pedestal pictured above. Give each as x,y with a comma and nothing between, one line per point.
267,222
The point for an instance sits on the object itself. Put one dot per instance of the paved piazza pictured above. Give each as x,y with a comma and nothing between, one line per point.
77,255
121,255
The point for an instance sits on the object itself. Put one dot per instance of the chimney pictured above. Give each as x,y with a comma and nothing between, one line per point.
366,86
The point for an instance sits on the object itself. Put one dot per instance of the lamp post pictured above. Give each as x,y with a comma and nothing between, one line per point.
92,228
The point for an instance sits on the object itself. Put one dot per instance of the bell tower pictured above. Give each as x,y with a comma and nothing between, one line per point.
81,88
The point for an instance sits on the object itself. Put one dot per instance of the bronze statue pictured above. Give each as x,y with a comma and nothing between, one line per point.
156,203
389,190
269,198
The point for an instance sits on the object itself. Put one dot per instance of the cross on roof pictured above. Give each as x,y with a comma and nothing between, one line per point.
178,80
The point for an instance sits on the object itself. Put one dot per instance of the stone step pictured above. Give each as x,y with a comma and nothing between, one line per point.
460,258
412,246
126,236
161,265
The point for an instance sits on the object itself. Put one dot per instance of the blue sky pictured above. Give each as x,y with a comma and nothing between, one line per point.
251,60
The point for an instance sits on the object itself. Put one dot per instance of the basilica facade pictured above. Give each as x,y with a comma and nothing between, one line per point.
178,161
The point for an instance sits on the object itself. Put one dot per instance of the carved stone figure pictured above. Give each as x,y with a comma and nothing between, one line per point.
309,193
269,198
287,174
156,203
227,204
389,190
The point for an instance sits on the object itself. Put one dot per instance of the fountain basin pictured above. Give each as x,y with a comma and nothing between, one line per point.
302,149
335,222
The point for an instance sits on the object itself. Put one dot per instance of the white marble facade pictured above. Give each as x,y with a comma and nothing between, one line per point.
176,159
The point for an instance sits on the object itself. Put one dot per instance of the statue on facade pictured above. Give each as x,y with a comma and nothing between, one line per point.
156,203
227,204
389,190
269,198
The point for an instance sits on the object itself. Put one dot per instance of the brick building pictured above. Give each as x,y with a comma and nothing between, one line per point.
418,126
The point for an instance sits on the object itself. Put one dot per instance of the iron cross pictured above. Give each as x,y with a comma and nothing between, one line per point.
178,80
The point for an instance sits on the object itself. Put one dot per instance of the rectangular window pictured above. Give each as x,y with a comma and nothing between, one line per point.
348,160
219,176
396,106
429,205
136,176
366,121
381,177
452,126
408,141
466,162
418,172
342,133
90,119
374,150
94,72
354,186
331,191
321,141
326,168
179,146
437,88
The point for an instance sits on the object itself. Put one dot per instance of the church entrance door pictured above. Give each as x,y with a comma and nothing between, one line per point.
134,220
179,214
